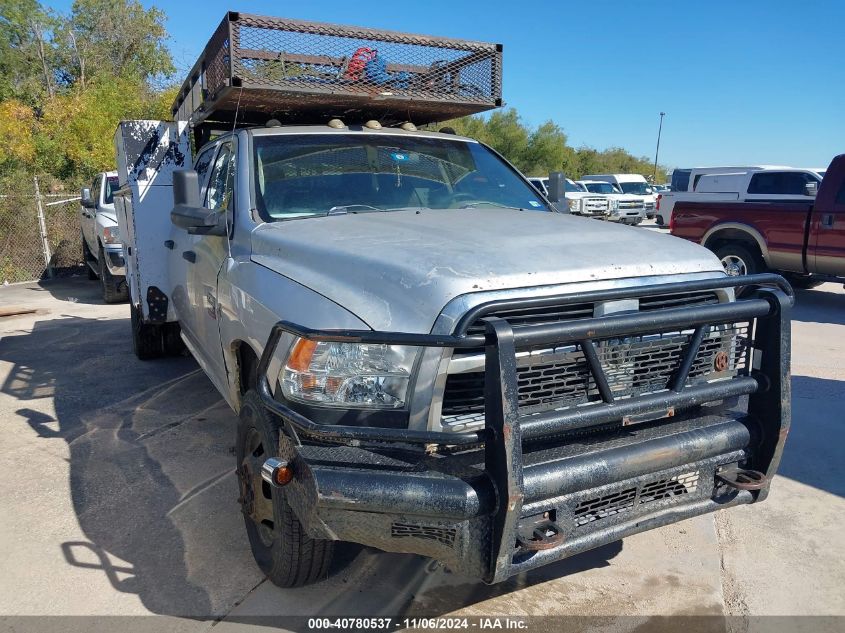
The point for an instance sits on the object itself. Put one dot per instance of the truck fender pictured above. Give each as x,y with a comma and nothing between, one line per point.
252,300
736,231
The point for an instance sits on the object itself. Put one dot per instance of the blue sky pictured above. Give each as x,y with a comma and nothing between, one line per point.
741,81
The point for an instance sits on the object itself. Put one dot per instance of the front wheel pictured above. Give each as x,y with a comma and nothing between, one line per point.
115,289
659,220
280,546
738,260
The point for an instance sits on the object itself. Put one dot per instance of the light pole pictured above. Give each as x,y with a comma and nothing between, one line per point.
657,151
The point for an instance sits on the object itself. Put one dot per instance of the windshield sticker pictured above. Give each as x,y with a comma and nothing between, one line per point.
399,157
534,203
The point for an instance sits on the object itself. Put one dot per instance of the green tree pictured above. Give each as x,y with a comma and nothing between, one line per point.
27,54
546,151
113,38
539,151
507,135
66,81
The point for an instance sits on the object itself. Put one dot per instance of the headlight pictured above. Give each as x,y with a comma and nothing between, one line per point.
614,205
348,374
111,235
574,205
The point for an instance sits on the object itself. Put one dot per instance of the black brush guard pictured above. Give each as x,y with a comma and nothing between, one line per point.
506,516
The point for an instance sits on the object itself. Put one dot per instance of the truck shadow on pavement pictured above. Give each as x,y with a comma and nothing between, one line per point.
151,479
77,289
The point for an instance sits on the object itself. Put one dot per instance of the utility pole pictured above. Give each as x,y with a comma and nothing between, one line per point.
42,227
657,151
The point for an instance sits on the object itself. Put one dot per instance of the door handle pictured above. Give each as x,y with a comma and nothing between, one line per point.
827,221
191,256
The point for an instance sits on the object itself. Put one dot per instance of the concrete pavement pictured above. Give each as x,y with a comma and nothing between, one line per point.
117,496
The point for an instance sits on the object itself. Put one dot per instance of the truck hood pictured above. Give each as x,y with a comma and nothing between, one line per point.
397,270
107,211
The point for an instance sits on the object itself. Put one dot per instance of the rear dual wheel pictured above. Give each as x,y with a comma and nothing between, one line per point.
153,340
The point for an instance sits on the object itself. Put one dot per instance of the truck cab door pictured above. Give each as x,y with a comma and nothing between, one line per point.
826,242
204,258
180,243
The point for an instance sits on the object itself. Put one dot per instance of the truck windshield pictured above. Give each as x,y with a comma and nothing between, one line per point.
600,187
315,174
636,188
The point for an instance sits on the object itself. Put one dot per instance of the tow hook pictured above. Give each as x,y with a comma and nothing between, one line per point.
742,479
539,535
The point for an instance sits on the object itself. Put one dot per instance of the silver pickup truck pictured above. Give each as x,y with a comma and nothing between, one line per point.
424,356
102,248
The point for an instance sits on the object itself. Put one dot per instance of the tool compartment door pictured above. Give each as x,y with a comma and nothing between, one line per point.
148,152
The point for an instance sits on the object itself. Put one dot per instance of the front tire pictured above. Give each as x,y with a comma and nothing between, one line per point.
112,290
280,546
738,259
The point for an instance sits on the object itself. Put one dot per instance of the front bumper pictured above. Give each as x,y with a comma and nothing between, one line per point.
531,489
115,261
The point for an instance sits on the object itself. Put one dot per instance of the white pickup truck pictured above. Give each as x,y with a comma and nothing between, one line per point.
102,248
742,184
625,208
424,356
631,184
579,201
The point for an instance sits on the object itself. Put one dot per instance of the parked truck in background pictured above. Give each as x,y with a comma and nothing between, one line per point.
744,184
424,356
631,184
579,201
800,232
624,208
102,248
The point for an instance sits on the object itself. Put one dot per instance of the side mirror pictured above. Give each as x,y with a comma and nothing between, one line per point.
557,186
86,200
811,189
187,213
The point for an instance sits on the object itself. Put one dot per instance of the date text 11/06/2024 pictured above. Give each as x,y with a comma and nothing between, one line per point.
481,623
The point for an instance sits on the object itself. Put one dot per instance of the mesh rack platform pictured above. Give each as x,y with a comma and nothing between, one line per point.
308,72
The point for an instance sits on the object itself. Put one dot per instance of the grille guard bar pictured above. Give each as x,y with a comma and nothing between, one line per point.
766,303
778,296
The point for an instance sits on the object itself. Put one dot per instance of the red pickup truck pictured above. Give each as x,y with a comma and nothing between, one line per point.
804,240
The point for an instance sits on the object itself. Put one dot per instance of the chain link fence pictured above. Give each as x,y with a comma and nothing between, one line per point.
40,234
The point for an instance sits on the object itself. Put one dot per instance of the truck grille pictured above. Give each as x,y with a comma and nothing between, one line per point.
641,364
559,377
630,205
595,206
